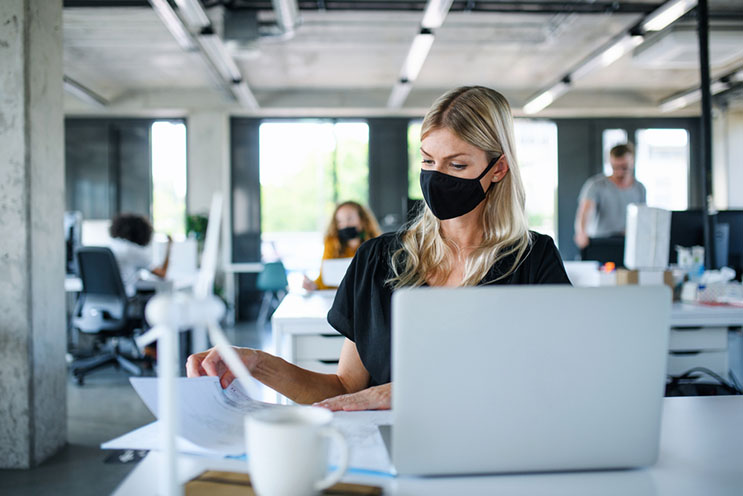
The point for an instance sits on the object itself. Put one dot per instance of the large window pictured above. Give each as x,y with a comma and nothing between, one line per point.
306,167
169,178
536,147
662,165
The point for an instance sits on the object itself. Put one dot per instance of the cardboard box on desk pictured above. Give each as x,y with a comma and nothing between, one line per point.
647,238
645,277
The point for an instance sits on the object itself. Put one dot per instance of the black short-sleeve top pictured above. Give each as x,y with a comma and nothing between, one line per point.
361,310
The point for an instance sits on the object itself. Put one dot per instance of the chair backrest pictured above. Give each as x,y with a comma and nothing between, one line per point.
272,277
103,300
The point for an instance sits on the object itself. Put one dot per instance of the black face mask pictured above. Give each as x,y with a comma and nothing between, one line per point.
348,233
450,196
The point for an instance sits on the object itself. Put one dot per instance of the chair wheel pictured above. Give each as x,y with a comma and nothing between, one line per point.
80,380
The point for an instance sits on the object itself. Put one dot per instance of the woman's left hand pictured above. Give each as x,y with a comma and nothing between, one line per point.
373,398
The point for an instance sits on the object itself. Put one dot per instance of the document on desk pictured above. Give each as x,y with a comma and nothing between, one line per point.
208,416
211,423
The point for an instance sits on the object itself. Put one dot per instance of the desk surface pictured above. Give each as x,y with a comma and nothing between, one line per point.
299,306
701,453
314,306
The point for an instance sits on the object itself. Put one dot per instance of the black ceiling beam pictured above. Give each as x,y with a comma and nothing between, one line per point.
105,3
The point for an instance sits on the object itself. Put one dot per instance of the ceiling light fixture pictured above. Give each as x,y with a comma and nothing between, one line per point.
544,99
692,96
216,51
435,13
417,55
665,15
174,24
244,95
287,15
83,92
193,13
607,56
399,94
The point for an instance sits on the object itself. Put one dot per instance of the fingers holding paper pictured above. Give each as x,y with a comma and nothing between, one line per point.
210,363
373,398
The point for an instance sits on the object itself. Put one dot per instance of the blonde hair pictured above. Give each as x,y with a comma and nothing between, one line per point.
369,227
481,117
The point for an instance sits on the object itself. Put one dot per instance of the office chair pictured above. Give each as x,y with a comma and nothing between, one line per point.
104,311
272,281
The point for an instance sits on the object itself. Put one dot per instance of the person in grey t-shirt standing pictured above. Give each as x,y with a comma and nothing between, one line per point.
603,200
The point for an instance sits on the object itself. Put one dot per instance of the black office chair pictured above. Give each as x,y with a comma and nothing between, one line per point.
104,311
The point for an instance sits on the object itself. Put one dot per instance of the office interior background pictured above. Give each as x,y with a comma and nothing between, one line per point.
286,108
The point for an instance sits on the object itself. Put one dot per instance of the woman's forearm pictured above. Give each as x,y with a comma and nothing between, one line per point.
297,384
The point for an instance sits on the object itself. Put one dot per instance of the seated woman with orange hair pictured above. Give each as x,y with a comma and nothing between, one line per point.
351,225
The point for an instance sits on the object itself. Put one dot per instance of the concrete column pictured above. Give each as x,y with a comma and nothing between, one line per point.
32,315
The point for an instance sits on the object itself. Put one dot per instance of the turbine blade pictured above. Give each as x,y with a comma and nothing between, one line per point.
229,355
150,336
205,279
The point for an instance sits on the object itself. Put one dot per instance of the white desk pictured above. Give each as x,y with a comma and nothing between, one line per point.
699,337
301,333
231,270
701,453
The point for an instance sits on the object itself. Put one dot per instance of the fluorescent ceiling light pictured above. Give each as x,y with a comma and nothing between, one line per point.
244,95
83,92
417,55
220,57
193,12
435,13
607,56
689,97
545,98
287,14
667,14
174,24
399,94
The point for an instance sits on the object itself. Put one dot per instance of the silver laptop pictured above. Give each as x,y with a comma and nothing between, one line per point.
527,379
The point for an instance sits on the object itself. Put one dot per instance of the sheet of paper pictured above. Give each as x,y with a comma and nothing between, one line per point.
211,423
209,416
148,438
361,430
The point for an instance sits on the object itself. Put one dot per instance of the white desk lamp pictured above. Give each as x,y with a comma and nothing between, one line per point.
172,312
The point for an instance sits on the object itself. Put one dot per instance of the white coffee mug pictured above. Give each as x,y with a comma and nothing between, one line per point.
288,451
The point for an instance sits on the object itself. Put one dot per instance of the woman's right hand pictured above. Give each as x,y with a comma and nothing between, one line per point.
210,363
308,284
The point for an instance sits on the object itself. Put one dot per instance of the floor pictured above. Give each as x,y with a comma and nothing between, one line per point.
106,407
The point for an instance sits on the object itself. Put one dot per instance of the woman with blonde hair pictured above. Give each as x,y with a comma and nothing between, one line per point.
472,231
350,225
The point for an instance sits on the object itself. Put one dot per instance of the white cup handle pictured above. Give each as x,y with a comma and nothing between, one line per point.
336,475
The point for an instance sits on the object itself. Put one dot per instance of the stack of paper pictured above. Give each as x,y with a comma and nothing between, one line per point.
212,419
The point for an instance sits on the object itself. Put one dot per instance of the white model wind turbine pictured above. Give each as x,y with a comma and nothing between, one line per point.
172,312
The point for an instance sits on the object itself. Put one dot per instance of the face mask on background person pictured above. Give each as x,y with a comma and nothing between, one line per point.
348,233
450,196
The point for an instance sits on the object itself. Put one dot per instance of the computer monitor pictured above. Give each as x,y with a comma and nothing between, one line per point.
687,229
603,250
73,222
734,219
